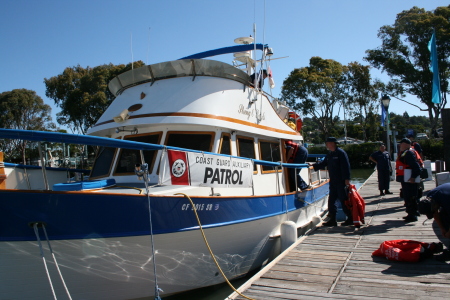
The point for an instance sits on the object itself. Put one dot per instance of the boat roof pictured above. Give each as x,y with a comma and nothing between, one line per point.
176,68
192,65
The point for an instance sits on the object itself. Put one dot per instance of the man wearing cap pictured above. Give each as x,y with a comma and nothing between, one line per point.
437,206
408,159
296,154
383,161
339,172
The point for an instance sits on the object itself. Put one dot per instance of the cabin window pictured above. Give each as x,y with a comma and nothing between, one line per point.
128,158
103,162
246,148
200,141
225,144
269,151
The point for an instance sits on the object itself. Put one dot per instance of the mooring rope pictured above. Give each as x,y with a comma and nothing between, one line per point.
56,263
209,248
143,171
36,232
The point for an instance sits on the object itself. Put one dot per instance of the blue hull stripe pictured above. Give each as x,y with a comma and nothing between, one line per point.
80,215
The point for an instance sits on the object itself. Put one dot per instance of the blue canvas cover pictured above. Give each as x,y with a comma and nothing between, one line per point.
84,185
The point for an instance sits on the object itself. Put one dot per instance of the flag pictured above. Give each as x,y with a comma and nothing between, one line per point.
436,93
178,166
383,114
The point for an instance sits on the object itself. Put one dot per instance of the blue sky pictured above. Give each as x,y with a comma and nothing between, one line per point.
41,38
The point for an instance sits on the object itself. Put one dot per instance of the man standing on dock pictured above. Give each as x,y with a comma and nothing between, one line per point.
339,172
408,159
384,169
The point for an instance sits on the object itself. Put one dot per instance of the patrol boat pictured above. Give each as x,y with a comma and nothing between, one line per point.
183,137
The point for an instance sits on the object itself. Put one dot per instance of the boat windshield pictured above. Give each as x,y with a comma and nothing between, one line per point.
191,140
176,68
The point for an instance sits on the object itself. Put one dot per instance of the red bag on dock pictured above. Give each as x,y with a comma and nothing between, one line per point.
407,250
355,203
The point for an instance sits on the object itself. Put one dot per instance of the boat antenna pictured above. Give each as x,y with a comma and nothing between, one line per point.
131,48
148,44
264,23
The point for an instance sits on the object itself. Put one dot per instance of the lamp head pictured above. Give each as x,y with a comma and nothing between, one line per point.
385,99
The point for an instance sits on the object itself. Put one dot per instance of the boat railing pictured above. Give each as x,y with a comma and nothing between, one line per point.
67,138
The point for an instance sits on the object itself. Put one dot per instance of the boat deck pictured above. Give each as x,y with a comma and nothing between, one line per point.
337,262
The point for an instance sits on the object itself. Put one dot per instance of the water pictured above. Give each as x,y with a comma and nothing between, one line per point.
359,176
221,291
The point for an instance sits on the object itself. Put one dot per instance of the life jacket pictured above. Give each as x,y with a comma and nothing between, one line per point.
407,250
356,205
400,166
294,153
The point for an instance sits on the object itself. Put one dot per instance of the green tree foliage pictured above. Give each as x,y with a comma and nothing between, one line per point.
326,86
22,109
82,94
405,57
316,90
362,98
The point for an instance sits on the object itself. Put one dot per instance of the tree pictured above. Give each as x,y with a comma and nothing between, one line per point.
362,97
315,91
82,93
404,54
22,109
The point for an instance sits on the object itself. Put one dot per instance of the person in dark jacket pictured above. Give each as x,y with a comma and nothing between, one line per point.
384,169
339,172
296,154
260,76
408,160
437,205
415,145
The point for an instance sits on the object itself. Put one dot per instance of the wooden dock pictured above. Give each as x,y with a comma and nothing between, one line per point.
337,262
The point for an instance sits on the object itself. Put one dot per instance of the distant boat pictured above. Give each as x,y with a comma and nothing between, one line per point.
192,126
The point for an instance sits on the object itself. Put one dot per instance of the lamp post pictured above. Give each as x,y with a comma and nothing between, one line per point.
385,100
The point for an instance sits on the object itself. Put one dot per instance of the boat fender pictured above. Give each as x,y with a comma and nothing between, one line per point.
288,234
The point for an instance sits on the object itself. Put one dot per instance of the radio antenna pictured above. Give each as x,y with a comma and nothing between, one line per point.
131,48
148,44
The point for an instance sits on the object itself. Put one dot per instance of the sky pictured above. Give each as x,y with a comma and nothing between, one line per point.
39,39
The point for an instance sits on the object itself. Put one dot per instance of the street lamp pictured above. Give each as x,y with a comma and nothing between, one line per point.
385,100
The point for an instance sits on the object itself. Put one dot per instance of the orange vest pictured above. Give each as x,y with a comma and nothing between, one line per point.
295,147
401,166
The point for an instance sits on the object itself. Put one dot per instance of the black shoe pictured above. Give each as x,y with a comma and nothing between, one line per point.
415,214
410,218
387,192
381,193
305,188
330,222
347,222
